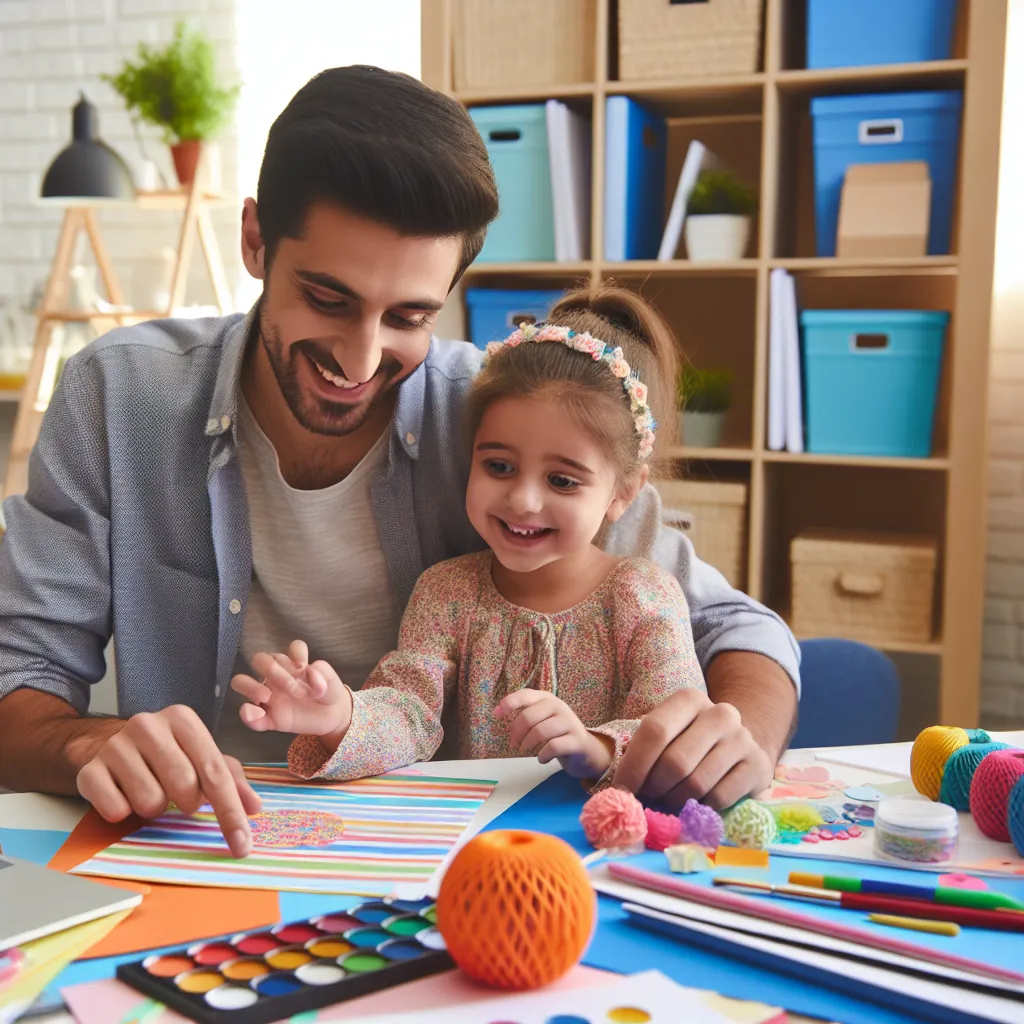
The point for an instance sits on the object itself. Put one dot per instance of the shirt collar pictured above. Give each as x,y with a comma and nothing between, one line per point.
407,422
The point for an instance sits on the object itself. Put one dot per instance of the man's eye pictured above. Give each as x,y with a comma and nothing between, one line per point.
327,305
404,324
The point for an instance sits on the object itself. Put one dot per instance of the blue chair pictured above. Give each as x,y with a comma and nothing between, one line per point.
850,695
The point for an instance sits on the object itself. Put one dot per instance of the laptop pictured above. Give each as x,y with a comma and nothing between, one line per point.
35,901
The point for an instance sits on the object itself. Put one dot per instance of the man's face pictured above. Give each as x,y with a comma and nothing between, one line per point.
347,312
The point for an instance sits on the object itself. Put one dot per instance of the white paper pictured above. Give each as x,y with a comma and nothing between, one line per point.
697,158
662,998
607,883
569,160
776,364
887,758
794,381
972,1004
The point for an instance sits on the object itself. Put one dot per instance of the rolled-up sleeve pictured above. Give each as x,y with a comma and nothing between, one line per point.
55,585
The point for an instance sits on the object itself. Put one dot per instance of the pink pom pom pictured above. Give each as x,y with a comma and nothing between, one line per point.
662,830
613,819
701,825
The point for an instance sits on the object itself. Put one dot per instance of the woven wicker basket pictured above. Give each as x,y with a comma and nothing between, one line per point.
504,43
660,39
714,517
863,586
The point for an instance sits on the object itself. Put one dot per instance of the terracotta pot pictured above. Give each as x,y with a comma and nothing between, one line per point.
186,159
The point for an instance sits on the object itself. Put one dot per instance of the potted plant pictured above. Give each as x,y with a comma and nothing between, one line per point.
704,399
175,88
718,216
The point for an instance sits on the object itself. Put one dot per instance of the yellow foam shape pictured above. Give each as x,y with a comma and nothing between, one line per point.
740,857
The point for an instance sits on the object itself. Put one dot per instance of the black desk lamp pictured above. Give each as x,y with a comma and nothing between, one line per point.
88,168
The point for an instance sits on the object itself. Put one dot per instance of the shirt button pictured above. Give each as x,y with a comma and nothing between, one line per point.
410,439
235,606
225,422
216,690
211,426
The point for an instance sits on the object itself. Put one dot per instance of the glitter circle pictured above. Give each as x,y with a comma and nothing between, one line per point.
295,828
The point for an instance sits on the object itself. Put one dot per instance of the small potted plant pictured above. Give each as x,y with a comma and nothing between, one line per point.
704,399
718,216
175,88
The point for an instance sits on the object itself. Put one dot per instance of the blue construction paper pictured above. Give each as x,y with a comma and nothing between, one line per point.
35,844
554,807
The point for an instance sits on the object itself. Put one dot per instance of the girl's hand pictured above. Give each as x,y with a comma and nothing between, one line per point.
543,723
294,696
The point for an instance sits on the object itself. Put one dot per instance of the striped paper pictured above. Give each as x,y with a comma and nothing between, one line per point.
399,828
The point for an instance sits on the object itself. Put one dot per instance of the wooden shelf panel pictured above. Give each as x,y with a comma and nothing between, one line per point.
547,268
699,268
929,647
707,94
76,316
869,266
874,461
932,74
682,451
540,93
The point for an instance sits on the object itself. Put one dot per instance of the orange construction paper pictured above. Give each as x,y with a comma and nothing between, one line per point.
740,857
169,915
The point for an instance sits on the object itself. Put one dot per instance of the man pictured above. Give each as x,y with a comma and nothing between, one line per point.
204,490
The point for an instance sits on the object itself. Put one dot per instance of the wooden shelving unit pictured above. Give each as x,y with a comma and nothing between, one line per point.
720,311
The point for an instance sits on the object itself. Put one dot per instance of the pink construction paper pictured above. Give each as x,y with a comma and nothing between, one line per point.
101,1002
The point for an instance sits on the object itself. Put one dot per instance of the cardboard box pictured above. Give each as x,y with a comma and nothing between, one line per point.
884,210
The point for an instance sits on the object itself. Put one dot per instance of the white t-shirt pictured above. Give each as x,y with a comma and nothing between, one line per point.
318,574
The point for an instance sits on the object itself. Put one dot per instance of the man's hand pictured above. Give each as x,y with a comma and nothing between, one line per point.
169,756
295,696
688,746
547,725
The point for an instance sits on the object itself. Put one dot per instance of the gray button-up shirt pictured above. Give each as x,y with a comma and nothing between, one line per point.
136,524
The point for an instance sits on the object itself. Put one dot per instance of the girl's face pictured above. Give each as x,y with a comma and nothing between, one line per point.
540,488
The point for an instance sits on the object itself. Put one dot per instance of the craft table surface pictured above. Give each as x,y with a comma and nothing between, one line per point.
38,825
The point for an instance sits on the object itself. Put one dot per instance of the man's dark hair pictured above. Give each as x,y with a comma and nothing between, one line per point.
382,145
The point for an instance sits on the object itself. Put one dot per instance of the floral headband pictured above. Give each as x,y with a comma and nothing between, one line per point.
635,389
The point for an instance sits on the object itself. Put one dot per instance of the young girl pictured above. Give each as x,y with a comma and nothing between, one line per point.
543,643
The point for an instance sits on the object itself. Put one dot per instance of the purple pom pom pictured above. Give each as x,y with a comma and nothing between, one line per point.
701,825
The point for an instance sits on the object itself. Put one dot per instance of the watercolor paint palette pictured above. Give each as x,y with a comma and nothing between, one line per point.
270,975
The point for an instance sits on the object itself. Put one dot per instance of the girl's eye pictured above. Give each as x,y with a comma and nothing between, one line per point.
498,467
563,483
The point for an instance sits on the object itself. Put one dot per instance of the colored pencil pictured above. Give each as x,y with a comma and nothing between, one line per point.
767,911
915,924
1002,920
978,899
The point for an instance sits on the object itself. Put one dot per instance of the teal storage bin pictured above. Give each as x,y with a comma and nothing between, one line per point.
517,143
871,378
879,129
494,313
854,33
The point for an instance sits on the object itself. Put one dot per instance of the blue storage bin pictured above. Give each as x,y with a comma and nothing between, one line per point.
871,378
517,143
884,129
852,33
494,313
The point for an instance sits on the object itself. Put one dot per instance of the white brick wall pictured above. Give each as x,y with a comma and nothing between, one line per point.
49,50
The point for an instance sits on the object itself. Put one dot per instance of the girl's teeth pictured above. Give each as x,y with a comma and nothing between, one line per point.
523,532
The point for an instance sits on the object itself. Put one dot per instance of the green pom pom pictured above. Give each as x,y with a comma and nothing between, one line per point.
750,824
796,817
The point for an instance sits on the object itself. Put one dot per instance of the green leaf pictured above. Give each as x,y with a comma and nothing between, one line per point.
720,191
175,87
704,390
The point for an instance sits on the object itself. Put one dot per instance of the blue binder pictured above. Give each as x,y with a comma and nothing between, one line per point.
634,186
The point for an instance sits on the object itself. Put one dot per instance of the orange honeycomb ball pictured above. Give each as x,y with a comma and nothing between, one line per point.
516,909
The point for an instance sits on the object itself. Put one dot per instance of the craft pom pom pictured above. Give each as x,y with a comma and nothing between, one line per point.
701,825
614,820
993,782
516,909
796,818
662,830
749,824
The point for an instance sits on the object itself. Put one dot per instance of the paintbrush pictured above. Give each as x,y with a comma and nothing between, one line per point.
1002,919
